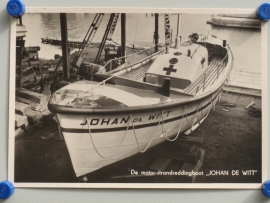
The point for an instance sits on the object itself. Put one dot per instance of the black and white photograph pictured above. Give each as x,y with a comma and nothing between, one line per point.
137,98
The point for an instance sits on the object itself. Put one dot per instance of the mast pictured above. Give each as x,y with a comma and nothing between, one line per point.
177,39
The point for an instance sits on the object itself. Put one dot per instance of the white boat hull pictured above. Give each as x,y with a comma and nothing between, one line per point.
104,139
103,124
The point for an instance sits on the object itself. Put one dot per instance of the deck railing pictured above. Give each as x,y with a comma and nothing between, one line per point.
121,63
137,57
221,63
214,76
148,52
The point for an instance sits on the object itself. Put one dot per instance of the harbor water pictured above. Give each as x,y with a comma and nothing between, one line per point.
245,43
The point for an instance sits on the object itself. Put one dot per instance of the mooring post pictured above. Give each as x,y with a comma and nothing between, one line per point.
156,32
166,87
123,37
64,38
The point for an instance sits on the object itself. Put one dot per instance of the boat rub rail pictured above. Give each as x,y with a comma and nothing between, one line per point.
103,130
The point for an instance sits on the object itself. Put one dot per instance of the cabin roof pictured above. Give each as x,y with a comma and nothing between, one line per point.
177,63
211,40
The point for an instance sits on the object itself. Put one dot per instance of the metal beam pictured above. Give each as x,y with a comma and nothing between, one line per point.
104,39
167,28
123,36
78,59
113,27
64,37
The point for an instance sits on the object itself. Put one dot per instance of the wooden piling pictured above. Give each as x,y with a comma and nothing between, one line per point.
123,36
64,37
156,32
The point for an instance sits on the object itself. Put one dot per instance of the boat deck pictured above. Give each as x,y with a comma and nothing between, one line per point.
137,74
152,96
214,69
91,94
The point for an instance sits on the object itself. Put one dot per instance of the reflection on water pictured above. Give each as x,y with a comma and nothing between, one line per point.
245,43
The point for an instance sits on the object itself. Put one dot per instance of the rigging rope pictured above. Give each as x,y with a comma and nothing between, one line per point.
138,145
195,118
184,114
136,31
86,118
135,39
179,129
187,118
212,106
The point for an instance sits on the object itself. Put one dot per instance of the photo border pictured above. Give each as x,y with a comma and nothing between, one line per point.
264,72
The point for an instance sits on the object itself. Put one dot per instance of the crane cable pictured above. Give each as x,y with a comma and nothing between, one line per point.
136,31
